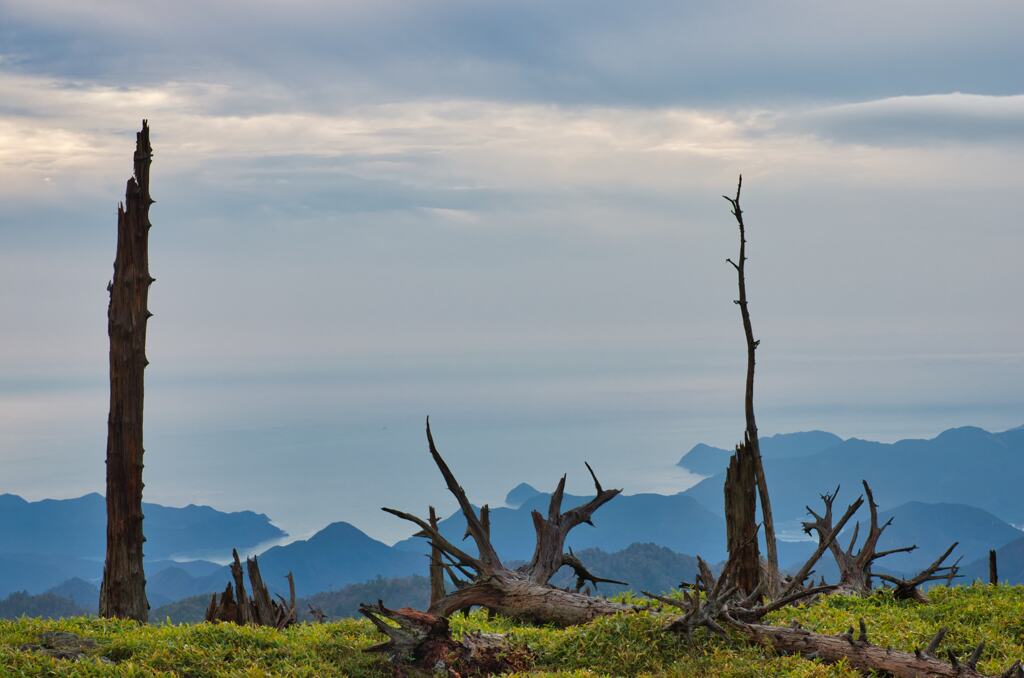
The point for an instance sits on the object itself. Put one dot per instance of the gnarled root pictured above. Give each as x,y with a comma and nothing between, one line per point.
421,642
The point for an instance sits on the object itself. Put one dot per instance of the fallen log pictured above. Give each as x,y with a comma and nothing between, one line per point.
859,653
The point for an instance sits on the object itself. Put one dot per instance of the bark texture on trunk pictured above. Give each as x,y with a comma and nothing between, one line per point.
741,518
123,590
523,593
513,594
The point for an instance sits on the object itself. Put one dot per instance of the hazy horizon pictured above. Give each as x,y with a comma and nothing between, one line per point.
508,218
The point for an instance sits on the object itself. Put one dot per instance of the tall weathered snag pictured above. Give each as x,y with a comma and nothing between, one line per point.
123,591
751,446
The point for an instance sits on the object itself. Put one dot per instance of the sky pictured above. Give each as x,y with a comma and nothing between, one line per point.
506,215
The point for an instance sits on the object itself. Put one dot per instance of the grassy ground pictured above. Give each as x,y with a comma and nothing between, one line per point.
625,645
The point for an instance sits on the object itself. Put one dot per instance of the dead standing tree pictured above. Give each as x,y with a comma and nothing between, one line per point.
746,467
123,591
523,593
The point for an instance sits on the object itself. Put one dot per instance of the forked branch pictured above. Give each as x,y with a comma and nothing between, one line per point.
524,593
906,589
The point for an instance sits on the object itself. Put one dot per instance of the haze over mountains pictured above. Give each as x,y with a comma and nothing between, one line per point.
77,527
964,465
959,486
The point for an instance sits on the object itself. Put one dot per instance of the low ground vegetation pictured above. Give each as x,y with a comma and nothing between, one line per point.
620,645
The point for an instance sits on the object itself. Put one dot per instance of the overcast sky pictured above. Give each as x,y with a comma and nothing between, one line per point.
506,215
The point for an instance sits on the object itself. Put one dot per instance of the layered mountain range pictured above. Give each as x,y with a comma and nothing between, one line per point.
962,485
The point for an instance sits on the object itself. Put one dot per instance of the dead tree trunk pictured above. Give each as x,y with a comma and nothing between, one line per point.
237,607
123,591
741,518
524,593
751,444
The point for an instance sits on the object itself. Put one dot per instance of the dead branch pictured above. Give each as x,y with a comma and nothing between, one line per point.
854,565
827,534
906,589
583,575
523,593
722,608
436,569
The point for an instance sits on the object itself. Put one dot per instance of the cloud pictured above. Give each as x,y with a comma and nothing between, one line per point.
580,52
506,214
915,120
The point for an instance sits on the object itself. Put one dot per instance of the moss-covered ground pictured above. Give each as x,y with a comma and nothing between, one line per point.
625,645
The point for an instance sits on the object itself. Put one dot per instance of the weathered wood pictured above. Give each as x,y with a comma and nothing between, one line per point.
421,641
741,518
123,589
826,537
716,604
863,656
244,615
437,590
513,594
236,607
523,593
993,569
855,574
907,589
751,442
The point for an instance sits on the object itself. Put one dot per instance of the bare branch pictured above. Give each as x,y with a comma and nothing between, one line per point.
437,538
488,556
825,538
584,575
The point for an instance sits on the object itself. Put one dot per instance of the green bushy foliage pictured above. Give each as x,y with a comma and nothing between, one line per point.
624,645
